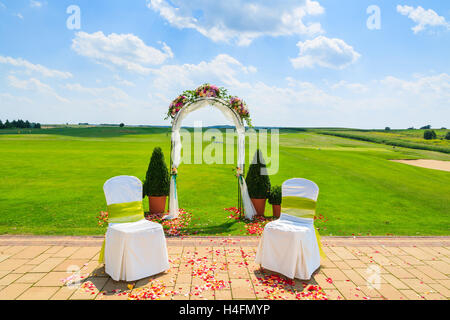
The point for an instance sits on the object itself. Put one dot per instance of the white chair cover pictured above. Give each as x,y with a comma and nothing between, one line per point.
176,151
289,245
133,250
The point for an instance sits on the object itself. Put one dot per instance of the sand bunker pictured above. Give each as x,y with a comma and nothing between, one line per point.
430,164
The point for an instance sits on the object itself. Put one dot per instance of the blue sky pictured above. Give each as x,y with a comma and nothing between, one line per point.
295,62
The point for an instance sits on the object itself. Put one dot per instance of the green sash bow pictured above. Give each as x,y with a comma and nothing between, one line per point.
122,213
302,208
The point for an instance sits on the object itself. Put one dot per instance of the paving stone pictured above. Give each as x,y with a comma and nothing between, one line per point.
356,264
412,261
334,274
434,296
441,266
410,294
84,294
223,294
30,277
445,283
63,266
12,264
333,294
432,272
12,250
53,249
12,291
383,251
63,293
399,272
184,278
420,275
349,290
53,279
380,259
417,253
406,271
10,278
85,253
183,292
395,282
38,293
440,289
417,285
327,263
333,256
321,279
343,253
242,289
39,259
31,252
395,251
355,277
342,265
47,265
390,293
4,257
65,252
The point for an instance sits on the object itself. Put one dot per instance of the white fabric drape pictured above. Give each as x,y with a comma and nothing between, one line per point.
133,250
289,245
176,150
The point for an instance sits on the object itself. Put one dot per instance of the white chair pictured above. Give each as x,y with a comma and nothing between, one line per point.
289,245
133,250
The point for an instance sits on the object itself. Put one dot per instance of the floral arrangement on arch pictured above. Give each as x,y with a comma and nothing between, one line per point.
209,91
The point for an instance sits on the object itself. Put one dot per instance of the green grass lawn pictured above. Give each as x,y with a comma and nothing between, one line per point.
410,138
51,182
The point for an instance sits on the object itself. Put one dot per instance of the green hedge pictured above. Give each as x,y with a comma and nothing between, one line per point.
156,182
397,143
258,184
275,196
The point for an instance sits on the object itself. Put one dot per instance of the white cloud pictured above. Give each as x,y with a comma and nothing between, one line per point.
325,52
2,5
19,15
423,18
239,20
354,87
36,85
109,92
123,82
437,86
35,4
30,67
6,97
122,50
378,103
223,69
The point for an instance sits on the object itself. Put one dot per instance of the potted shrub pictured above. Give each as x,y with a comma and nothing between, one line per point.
275,201
258,183
156,184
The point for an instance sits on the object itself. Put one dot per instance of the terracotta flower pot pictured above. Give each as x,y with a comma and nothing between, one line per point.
157,204
260,206
276,210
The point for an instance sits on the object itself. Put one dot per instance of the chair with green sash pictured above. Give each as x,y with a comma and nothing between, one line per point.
134,248
291,245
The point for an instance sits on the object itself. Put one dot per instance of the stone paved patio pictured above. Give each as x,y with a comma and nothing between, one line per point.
34,267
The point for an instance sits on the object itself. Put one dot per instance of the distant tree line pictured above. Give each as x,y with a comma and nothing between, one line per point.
19,124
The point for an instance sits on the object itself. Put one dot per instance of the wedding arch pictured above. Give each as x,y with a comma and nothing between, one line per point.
234,109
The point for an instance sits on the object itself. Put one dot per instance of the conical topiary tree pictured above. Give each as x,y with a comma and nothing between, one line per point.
156,182
258,182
